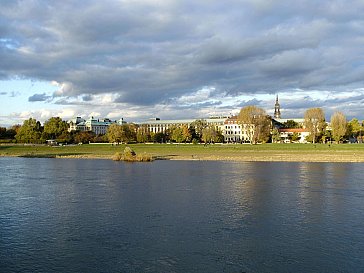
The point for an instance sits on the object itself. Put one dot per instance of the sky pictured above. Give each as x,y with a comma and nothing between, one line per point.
137,59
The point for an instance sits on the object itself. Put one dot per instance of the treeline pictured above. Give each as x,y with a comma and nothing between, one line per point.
256,123
339,130
31,131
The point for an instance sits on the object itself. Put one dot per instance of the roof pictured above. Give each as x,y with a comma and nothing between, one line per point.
283,120
293,130
182,121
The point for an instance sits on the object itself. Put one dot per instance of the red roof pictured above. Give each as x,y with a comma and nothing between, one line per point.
292,130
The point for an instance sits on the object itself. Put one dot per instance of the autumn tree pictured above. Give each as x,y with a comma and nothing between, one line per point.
143,135
354,128
276,136
338,126
315,122
54,127
119,133
210,135
29,132
84,137
256,122
196,128
176,134
291,124
186,133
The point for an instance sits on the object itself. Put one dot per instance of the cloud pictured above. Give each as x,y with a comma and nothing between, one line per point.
150,53
39,97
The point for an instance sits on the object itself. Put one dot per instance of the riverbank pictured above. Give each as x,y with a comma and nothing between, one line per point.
226,152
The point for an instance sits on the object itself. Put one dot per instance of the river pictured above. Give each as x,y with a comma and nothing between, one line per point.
73,215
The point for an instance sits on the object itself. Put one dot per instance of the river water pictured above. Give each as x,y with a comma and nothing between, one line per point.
73,215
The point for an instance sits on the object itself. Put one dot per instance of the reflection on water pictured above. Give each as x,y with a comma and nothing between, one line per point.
102,216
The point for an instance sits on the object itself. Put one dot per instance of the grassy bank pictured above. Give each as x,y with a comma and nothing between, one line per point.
265,152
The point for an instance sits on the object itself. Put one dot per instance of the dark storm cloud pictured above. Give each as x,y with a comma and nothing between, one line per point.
87,98
148,52
249,102
39,97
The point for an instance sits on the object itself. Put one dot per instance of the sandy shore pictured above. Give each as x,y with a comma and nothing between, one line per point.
281,157
267,153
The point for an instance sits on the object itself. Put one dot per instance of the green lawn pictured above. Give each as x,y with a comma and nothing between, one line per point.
265,152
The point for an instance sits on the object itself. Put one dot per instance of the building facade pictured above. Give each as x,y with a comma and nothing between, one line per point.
277,109
98,126
161,126
235,132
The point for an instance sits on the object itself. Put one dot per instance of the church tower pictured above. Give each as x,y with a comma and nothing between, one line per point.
277,109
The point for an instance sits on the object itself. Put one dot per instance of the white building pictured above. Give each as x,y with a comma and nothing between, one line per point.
161,126
233,131
98,126
287,134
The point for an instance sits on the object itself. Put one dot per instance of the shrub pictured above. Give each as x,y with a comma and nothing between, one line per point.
130,156
117,156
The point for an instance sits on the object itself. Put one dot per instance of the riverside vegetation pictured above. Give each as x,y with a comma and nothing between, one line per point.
129,155
232,152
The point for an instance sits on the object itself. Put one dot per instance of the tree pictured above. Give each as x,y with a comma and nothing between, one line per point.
291,124
186,133
210,135
84,137
176,134
315,122
276,136
29,132
143,135
257,122
119,133
197,126
354,128
55,127
338,126
158,137
294,137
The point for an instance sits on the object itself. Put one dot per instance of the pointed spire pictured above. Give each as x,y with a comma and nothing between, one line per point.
277,109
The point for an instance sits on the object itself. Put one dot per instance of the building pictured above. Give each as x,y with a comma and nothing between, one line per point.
98,126
157,125
277,109
298,135
233,131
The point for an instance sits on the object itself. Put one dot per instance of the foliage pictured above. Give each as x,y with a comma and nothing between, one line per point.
130,156
99,139
315,122
338,126
176,134
120,133
258,121
158,137
291,124
211,135
354,127
294,137
186,133
29,132
55,127
143,135
65,137
7,133
276,137
196,128
84,137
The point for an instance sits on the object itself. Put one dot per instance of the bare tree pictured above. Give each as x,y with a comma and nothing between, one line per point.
338,126
315,122
257,122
